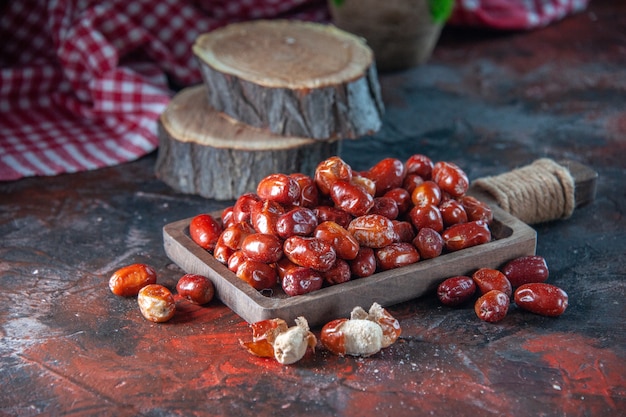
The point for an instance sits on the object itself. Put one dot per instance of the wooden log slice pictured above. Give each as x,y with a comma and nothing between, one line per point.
294,78
201,152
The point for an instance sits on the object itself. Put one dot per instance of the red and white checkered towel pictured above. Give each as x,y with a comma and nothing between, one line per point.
83,82
513,14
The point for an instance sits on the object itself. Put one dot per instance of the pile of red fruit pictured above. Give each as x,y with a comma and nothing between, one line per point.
305,232
527,275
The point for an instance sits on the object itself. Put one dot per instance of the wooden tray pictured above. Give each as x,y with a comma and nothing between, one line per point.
512,238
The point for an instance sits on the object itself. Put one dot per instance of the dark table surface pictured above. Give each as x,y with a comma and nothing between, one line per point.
489,102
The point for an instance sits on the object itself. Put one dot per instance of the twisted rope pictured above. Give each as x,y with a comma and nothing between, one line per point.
536,193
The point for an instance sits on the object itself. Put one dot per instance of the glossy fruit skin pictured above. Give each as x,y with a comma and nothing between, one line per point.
227,217
351,198
309,193
373,230
429,243
345,245
456,290
385,206
262,247
388,173
264,215
396,255
338,273
402,198
259,275
364,264
492,306
127,281
465,235
329,171
301,280
420,165
310,252
156,303
337,215
205,230
280,188
243,206
333,338
450,178
233,236
404,230
299,221
476,209
488,279
426,193
541,298
235,260
426,216
367,184
411,181
222,253
526,269
197,289
452,212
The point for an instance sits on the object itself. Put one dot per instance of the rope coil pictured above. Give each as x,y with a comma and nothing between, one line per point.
536,193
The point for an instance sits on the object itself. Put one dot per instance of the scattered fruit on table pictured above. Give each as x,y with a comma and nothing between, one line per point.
272,338
523,278
156,303
128,280
363,334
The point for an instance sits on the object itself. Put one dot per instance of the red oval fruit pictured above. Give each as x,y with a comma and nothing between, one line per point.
373,230
262,247
456,290
429,243
197,289
541,298
450,178
364,264
452,212
492,306
205,230
301,280
310,252
280,188
345,245
426,193
465,235
426,216
420,165
488,279
299,221
329,171
129,280
352,198
388,173
259,275
526,269
396,255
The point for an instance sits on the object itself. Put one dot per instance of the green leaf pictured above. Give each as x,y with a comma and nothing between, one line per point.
440,10
338,3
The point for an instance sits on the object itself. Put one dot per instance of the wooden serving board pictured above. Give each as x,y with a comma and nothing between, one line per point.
511,238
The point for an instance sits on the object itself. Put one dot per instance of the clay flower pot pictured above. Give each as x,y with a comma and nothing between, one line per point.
402,33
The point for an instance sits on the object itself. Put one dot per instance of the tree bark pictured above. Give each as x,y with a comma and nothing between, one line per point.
293,78
202,152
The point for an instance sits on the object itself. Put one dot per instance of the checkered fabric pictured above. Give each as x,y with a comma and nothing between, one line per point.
83,82
513,14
